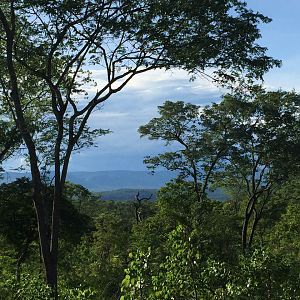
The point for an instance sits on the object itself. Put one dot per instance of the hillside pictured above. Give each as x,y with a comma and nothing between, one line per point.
109,180
129,194
118,185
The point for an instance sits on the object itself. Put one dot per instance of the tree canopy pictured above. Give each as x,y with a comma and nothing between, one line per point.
252,141
48,49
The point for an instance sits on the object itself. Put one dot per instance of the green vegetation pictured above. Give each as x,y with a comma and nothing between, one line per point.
59,241
127,194
183,245
48,91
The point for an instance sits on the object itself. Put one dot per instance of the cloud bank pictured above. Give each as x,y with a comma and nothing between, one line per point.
134,106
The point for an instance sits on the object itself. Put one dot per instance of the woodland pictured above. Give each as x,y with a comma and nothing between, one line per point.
58,240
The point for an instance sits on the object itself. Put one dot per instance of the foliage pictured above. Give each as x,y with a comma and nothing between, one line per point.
248,142
99,259
9,138
33,287
264,136
54,44
181,250
284,235
185,274
198,149
185,246
263,275
261,137
17,213
175,277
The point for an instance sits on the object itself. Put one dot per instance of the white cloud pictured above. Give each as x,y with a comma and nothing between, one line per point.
125,111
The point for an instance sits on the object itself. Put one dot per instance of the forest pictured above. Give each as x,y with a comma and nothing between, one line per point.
58,240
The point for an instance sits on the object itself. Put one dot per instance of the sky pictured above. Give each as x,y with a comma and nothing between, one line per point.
123,149
123,113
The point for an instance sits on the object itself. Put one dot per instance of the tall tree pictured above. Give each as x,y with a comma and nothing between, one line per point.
200,147
265,139
58,41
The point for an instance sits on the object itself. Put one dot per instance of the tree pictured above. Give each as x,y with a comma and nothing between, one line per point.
17,219
138,207
200,148
98,261
57,42
248,141
185,273
18,224
264,132
284,238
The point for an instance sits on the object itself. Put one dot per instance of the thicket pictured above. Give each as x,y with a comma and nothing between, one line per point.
184,245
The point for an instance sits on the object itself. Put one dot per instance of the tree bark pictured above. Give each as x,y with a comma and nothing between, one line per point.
43,229
254,225
247,217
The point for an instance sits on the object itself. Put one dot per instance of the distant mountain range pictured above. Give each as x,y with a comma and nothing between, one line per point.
109,180
118,185
129,194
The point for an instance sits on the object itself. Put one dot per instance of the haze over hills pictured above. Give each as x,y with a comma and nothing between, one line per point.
113,180
119,185
109,180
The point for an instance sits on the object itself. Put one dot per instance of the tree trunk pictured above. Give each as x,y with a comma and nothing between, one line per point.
43,229
254,225
244,231
248,213
196,187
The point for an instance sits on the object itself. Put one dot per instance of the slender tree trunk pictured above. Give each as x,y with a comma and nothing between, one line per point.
43,229
254,225
209,173
244,231
196,186
247,217
56,205
257,217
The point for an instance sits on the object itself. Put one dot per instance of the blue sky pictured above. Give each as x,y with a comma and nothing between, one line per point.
137,104
123,149
282,38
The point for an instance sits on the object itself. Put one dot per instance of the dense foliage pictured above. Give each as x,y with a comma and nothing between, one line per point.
47,87
181,249
180,246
